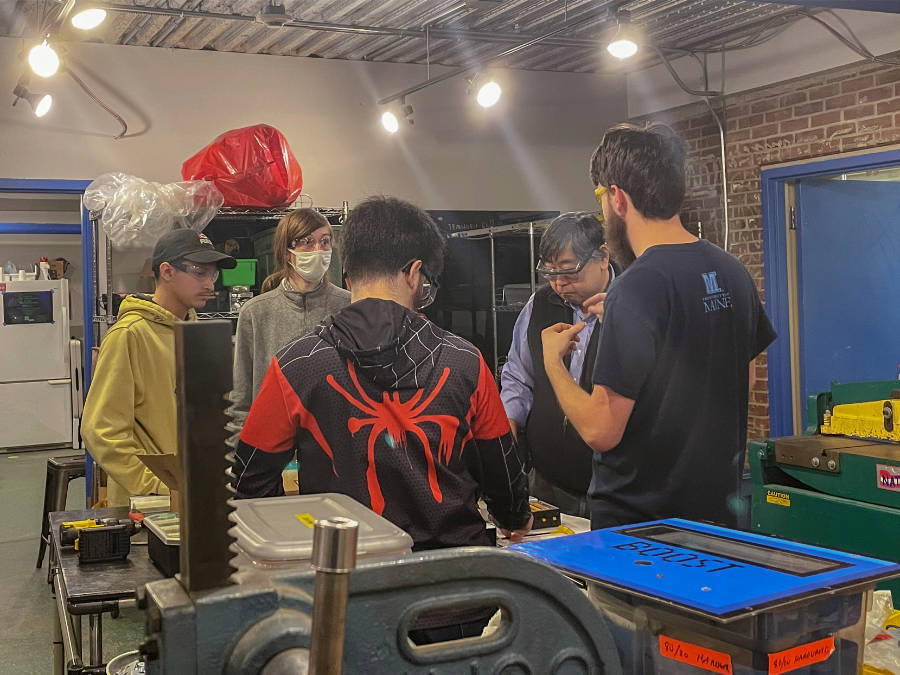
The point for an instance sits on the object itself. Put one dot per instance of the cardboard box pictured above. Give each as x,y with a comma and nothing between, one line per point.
168,469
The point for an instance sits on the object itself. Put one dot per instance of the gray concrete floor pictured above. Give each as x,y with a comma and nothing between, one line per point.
26,601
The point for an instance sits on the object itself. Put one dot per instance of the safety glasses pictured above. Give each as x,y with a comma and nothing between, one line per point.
197,271
551,273
430,286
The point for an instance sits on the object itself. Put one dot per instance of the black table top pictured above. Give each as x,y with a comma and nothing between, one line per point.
94,582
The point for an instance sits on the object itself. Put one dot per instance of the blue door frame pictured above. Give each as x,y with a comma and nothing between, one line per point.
75,187
772,183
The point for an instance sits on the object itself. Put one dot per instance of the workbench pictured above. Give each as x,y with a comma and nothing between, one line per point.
91,590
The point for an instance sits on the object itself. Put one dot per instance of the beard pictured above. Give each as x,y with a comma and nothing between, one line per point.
617,239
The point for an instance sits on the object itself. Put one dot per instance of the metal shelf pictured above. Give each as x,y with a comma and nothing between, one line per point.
494,230
216,315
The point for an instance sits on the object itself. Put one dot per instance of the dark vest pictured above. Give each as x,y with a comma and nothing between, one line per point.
558,453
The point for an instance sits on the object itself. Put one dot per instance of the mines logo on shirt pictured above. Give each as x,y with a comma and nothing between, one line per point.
715,299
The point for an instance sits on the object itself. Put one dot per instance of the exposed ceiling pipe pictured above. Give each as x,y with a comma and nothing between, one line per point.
435,33
400,95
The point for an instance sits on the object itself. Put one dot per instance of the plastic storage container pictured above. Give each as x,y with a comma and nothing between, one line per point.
163,541
276,533
684,598
244,274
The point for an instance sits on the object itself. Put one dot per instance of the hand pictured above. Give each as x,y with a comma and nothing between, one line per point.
516,536
594,305
560,339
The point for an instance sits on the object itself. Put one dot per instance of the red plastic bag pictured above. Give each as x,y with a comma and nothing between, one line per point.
253,166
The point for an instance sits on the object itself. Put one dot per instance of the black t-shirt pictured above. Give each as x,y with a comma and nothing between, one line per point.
680,328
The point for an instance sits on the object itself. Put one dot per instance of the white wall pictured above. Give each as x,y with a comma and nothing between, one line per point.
530,152
804,48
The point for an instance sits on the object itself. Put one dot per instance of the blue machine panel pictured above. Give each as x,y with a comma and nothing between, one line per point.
705,569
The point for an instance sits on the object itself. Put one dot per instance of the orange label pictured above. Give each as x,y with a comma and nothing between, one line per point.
694,655
798,657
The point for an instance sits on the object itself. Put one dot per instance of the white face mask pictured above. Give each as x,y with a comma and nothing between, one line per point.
311,265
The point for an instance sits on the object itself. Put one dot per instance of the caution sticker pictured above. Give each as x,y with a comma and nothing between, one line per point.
779,498
695,655
799,657
306,519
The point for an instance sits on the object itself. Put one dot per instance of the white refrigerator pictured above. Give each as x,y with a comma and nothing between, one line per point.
40,366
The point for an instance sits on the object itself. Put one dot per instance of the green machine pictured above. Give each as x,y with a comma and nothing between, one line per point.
840,492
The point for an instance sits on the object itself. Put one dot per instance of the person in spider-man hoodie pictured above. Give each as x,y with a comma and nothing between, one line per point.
383,405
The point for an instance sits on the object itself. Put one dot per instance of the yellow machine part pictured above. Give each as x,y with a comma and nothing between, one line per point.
865,420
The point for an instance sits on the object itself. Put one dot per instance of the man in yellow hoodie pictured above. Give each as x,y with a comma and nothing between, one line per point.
130,408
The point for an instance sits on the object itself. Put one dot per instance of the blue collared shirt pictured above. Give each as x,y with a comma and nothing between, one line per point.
517,377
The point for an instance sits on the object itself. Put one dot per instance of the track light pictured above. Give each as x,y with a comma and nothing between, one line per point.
625,43
88,15
488,94
390,122
40,103
486,88
43,60
390,118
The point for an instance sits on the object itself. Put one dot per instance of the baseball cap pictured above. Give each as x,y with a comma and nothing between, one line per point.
185,244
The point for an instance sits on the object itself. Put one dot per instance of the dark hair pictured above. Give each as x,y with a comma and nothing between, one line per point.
382,234
294,225
582,230
647,162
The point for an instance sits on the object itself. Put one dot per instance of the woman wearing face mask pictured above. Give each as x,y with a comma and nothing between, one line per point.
293,301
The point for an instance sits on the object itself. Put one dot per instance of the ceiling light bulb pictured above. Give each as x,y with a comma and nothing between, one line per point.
43,105
389,122
622,48
488,94
43,60
89,18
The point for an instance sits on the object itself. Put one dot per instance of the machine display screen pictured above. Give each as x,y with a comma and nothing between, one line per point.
797,564
27,307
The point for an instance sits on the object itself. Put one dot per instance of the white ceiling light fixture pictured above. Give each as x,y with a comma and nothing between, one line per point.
43,60
88,16
390,122
488,94
624,44
40,103
486,88
391,116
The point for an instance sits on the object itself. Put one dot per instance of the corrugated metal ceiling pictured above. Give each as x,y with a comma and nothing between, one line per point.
445,32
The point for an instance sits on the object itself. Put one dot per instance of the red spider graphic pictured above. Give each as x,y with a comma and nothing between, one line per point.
398,417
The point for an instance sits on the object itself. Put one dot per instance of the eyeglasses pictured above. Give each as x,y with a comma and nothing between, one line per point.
551,273
430,286
310,243
197,271
599,192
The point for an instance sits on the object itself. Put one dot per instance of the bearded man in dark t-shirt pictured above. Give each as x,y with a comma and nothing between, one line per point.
683,325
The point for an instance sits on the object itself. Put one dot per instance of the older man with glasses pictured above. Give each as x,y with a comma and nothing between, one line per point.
576,265
130,408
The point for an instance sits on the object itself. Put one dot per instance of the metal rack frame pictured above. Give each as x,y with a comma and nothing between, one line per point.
490,233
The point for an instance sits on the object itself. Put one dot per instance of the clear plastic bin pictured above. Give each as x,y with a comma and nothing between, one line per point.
276,533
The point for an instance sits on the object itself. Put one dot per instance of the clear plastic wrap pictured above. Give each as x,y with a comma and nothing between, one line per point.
882,656
136,212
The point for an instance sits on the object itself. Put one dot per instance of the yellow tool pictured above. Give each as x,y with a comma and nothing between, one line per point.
873,419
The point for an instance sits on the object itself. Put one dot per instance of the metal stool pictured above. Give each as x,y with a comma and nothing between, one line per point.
60,470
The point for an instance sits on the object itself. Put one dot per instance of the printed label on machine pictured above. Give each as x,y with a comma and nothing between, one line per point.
799,657
888,477
779,498
695,655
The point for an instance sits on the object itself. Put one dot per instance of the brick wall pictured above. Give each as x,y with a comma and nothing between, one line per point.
847,109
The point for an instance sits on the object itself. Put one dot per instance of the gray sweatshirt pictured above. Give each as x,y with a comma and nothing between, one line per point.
266,324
